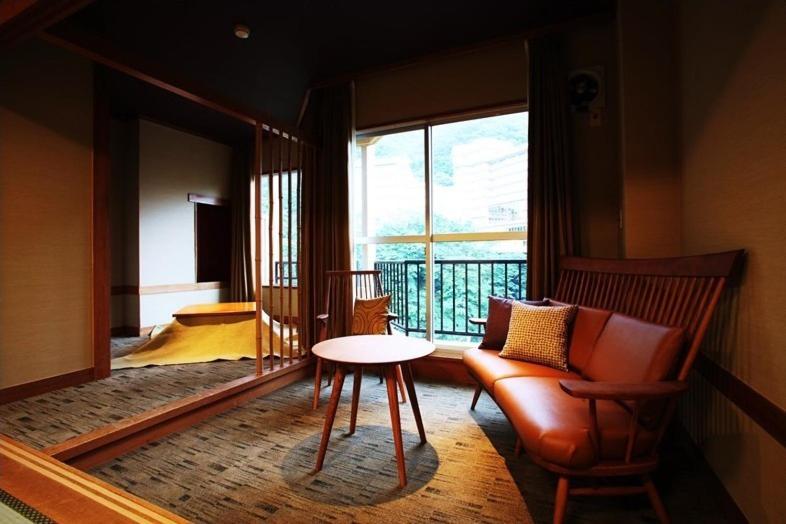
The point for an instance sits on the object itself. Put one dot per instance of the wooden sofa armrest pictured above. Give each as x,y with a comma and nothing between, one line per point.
477,321
323,318
622,391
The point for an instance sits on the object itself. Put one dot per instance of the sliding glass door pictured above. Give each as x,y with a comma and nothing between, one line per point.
441,210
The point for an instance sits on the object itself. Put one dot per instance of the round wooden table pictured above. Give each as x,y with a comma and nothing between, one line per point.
386,351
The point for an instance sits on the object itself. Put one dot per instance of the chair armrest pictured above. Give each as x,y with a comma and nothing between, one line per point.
477,321
323,318
392,316
621,390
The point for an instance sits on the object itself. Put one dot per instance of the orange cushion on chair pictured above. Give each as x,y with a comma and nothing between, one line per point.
371,316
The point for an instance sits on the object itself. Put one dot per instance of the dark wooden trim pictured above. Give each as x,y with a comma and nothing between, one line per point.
442,369
31,389
125,290
209,200
104,52
763,411
113,440
21,19
101,246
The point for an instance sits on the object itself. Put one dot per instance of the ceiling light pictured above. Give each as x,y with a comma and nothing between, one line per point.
242,31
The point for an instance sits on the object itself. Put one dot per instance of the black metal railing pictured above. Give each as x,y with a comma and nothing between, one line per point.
460,291
281,272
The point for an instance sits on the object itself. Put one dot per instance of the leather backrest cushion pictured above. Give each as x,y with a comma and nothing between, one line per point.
586,329
498,320
632,350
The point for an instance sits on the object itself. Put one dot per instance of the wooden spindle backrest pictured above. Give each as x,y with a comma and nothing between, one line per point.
680,291
343,287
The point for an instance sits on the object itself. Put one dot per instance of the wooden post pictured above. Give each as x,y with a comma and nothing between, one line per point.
257,171
270,250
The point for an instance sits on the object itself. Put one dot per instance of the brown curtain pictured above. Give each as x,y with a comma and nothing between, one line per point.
551,230
325,200
241,285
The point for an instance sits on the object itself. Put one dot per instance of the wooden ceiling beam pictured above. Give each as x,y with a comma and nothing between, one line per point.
20,19
107,54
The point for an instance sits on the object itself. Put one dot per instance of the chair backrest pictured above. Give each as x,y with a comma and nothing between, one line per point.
341,290
681,291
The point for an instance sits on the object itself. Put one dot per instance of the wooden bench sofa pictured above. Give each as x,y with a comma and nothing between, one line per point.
633,341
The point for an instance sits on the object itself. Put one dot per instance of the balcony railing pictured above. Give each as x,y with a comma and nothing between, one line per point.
460,291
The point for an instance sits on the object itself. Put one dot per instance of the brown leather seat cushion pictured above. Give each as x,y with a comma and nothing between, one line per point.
554,426
488,367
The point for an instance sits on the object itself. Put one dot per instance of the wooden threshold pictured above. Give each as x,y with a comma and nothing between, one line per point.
65,494
110,441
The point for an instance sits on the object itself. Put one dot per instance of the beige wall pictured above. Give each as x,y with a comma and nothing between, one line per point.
45,213
171,165
596,163
733,69
487,76
649,141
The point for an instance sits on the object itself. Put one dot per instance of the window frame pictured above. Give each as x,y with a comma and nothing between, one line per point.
428,238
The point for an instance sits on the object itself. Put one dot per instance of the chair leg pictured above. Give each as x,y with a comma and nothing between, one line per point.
478,391
561,500
517,451
381,375
657,503
317,384
401,386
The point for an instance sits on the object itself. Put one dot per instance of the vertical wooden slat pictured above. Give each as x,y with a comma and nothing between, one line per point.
289,245
271,351
257,170
281,141
300,167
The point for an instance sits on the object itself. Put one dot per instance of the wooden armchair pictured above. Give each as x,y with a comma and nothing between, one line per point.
341,289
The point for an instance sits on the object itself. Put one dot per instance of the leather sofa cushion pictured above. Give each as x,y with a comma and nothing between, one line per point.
632,350
488,367
586,329
498,320
555,427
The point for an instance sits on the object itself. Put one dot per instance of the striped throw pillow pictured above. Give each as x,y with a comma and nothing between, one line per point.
539,334
371,316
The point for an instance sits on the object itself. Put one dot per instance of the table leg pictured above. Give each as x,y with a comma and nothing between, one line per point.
413,399
355,397
330,415
395,419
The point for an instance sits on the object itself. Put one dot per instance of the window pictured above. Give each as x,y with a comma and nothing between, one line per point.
441,210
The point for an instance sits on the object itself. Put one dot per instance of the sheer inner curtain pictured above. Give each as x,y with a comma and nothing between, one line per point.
325,245
551,231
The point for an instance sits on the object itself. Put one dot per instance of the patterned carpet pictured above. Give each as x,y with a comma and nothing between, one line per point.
255,463
57,416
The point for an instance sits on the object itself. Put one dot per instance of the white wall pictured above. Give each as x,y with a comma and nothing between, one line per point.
46,126
173,164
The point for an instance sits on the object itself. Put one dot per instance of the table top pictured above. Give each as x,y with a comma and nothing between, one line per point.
373,349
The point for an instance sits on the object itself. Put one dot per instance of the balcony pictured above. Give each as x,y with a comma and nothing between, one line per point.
460,290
